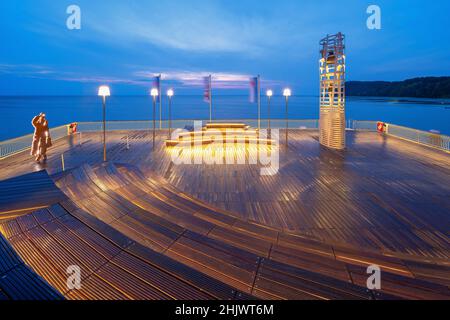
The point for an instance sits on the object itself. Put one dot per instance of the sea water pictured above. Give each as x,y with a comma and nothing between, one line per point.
17,112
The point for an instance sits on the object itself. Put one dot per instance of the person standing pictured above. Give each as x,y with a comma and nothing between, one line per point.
41,137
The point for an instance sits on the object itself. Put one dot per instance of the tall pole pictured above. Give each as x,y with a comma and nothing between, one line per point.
170,116
160,106
268,112
154,119
259,103
104,128
210,99
287,123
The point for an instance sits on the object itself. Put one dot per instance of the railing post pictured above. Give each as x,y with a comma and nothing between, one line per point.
79,141
62,162
128,142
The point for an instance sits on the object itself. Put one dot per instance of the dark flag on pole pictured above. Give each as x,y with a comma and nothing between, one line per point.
156,83
253,89
207,89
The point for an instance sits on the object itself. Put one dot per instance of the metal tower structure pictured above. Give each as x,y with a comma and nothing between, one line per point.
332,92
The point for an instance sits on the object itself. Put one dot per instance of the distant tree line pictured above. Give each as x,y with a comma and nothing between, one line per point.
426,87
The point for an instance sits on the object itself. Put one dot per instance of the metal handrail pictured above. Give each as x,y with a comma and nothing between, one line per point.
363,125
16,145
19,144
116,125
430,139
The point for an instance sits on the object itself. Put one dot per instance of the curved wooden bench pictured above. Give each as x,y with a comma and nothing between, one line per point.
27,193
54,239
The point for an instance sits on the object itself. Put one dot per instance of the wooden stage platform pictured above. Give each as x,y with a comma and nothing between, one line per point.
322,216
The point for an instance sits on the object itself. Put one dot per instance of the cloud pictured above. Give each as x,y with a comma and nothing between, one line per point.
187,26
181,78
27,70
221,80
45,72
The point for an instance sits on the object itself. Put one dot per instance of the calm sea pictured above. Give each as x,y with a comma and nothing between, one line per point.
17,112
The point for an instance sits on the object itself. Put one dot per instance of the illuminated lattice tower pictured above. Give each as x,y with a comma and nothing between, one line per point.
332,92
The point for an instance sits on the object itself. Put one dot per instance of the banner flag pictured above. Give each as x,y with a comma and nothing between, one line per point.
253,89
207,89
156,83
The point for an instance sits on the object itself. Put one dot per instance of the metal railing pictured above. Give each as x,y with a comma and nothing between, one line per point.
13,146
362,125
147,125
16,145
430,139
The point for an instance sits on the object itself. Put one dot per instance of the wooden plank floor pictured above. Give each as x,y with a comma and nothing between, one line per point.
26,193
157,215
112,265
381,193
17,281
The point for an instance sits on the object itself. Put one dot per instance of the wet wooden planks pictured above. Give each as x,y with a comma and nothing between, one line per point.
108,271
17,281
27,192
233,249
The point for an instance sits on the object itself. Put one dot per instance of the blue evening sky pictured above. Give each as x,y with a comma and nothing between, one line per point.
123,43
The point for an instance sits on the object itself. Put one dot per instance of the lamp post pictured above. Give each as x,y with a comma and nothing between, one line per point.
103,91
269,94
258,88
160,104
287,94
154,93
170,95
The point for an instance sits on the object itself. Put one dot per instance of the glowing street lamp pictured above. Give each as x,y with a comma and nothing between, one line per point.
287,94
103,91
170,95
269,94
154,93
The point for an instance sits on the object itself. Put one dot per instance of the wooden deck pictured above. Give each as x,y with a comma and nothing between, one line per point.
133,233
306,232
18,281
381,193
112,265
27,193
157,215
